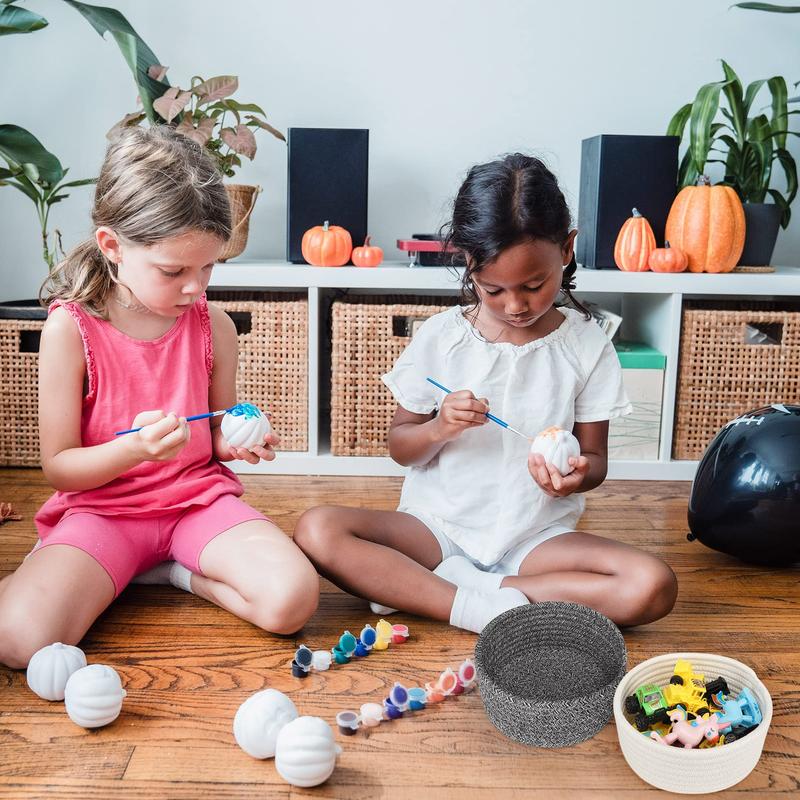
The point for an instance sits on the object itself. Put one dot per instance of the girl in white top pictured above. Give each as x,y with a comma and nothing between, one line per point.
482,525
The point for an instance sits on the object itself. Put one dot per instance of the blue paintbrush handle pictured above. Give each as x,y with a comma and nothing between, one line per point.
490,416
188,419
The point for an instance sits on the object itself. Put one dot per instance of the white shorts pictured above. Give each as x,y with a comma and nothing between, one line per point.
510,562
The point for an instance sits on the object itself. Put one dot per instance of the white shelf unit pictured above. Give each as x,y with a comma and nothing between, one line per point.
649,303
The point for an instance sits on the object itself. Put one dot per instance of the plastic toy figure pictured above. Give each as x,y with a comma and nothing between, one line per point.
742,712
648,705
691,734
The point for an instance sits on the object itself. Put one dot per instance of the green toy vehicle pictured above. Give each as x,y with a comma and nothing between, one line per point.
648,706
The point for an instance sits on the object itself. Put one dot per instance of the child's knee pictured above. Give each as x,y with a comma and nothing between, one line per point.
314,528
19,640
655,593
287,610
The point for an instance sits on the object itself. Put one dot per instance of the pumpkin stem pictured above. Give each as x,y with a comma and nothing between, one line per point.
366,241
666,244
325,225
703,180
635,212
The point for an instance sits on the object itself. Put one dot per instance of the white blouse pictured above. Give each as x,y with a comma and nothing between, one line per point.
478,486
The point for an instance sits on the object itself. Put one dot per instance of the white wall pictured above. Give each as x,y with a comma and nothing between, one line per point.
441,84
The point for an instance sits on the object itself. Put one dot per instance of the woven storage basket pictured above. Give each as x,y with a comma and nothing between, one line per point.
273,358
721,377
547,672
242,199
691,771
19,403
368,335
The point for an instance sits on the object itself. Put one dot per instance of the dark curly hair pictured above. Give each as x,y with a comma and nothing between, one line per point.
503,203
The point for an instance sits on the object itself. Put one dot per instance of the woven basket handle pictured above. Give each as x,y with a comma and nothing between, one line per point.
244,219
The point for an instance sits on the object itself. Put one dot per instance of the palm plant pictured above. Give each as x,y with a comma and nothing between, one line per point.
747,143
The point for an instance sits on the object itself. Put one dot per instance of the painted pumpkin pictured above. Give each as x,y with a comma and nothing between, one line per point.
668,259
326,245
634,243
557,446
707,223
245,426
305,753
93,696
50,668
259,721
367,255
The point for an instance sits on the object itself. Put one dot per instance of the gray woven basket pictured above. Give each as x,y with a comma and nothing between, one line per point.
547,672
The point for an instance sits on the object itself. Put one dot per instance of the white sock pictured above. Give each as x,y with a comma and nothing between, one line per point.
180,577
381,611
158,574
462,572
473,610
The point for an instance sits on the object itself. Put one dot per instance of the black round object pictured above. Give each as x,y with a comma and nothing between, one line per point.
745,498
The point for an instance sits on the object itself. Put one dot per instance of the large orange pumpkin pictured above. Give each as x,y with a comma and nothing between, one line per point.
368,255
326,245
707,223
668,259
634,243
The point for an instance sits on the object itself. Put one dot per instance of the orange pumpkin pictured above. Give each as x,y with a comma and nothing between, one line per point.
326,245
634,243
668,259
367,256
707,223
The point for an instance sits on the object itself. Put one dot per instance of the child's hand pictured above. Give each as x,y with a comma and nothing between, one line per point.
459,411
551,481
258,452
162,436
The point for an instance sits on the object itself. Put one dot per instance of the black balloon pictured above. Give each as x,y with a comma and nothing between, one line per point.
745,497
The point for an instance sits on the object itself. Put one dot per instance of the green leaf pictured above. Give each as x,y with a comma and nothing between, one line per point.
20,147
678,121
780,113
704,109
19,20
136,53
733,94
786,214
771,7
787,162
750,94
233,105
687,174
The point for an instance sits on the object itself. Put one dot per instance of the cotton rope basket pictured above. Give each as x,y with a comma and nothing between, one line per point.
692,771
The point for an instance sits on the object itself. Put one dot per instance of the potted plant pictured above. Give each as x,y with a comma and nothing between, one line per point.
748,143
207,113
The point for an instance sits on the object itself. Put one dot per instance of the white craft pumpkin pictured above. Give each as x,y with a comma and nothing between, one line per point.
259,720
305,754
245,426
93,696
557,446
49,669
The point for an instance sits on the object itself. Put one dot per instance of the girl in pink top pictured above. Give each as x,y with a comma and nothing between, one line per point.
129,330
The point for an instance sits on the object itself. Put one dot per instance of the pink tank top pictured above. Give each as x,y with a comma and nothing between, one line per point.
126,376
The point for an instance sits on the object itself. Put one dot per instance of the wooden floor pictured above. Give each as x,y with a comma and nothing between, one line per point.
187,666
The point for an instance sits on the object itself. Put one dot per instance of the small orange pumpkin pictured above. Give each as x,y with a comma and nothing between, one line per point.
326,245
668,259
634,243
367,255
707,223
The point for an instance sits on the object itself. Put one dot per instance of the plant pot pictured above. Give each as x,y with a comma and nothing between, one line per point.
21,323
242,199
762,221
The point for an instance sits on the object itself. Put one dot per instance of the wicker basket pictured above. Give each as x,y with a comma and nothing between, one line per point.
547,672
691,771
721,376
273,358
368,335
19,404
242,199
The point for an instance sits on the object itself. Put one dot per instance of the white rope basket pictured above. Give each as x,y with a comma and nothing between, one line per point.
691,771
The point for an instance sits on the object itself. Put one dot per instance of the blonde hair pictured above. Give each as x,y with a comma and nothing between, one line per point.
154,184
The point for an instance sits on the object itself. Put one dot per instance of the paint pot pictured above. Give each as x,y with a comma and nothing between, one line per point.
399,634
417,698
371,714
347,722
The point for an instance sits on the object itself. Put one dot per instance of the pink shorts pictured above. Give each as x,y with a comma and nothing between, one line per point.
126,546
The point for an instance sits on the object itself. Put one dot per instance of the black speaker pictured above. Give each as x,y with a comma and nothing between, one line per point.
328,173
619,173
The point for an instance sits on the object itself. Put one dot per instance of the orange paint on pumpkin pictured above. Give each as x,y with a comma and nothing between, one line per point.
367,255
326,245
668,259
